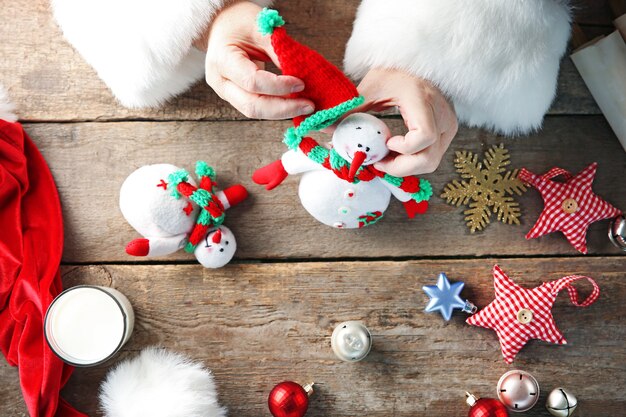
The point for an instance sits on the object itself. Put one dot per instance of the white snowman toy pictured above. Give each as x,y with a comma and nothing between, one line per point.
340,187
166,206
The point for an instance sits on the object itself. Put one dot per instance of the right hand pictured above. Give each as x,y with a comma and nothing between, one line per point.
235,67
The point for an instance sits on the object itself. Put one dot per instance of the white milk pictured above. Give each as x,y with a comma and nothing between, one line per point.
87,325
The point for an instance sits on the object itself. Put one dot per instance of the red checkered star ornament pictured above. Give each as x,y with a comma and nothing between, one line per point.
520,314
570,206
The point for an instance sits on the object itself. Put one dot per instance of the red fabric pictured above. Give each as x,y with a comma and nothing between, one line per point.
31,242
324,84
501,314
591,208
414,208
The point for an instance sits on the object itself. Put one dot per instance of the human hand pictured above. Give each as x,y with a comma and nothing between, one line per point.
431,120
235,66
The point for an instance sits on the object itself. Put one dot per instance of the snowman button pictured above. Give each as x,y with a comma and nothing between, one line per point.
339,225
349,194
343,210
524,316
569,206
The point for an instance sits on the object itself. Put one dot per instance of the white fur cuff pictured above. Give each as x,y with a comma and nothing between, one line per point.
159,383
497,60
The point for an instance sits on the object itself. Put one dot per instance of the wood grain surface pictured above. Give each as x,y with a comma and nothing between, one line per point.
51,82
268,316
257,324
91,160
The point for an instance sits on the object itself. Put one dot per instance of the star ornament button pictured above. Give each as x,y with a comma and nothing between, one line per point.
570,206
520,314
524,316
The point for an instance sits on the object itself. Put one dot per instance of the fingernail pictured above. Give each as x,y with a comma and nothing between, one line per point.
297,88
306,110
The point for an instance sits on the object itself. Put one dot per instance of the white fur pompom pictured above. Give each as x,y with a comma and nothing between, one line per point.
159,383
6,107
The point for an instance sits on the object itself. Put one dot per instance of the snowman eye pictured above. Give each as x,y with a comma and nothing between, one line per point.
378,132
358,128
226,242
359,145
367,149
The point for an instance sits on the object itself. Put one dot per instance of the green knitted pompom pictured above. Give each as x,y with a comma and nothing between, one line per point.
204,170
292,139
174,179
267,20
425,192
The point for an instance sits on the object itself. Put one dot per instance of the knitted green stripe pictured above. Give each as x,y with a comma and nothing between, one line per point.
318,154
395,181
336,161
204,170
425,192
267,20
318,121
201,197
205,219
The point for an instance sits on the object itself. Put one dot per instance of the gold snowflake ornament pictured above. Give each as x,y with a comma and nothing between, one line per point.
487,186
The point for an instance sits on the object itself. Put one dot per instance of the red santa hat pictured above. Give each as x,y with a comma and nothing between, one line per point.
332,92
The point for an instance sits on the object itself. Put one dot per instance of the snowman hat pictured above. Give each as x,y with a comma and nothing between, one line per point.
328,87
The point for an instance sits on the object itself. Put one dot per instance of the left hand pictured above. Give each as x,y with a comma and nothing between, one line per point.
431,120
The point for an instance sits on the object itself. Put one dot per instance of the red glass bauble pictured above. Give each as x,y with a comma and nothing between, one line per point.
288,399
488,407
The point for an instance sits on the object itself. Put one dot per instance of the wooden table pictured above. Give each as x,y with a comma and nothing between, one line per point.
268,316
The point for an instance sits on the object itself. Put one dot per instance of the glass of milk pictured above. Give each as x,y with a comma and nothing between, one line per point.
87,325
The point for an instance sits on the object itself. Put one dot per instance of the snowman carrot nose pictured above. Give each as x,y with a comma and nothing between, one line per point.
357,161
217,236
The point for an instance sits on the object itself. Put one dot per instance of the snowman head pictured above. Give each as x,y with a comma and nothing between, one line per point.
361,139
217,248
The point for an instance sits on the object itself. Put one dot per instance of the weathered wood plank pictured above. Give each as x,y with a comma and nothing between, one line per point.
257,324
48,80
91,160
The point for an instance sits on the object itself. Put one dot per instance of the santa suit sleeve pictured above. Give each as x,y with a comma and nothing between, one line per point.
497,61
141,49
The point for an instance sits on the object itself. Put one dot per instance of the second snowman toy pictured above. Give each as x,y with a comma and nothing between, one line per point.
164,204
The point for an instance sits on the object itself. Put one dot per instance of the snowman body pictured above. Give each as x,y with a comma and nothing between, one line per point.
341,204
149,207
165,222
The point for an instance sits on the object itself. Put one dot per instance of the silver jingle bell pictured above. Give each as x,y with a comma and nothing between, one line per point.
518,391
617,232
561,403
351,341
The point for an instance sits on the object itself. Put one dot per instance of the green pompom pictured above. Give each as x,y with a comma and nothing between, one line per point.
425,192
269,19
292,139
204,170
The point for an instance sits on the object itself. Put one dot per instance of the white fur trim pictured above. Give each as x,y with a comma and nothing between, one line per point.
6,107
142,49
159,383
497,60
